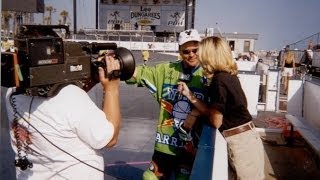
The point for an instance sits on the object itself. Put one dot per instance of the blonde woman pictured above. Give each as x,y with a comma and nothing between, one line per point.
227,109
288,68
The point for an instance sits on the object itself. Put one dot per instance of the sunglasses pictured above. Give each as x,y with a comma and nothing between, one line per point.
187,51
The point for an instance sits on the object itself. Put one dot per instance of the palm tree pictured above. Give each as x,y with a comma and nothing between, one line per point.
27,18
64,14
50,9
47,20
6,16
14,24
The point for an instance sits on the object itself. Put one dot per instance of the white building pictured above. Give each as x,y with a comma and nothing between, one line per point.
240,42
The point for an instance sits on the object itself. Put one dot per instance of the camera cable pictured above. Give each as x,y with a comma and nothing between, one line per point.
20,132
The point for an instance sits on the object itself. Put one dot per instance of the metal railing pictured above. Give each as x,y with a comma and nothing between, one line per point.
303,43
121,35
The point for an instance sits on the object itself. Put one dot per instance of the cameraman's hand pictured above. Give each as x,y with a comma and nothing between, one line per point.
109,82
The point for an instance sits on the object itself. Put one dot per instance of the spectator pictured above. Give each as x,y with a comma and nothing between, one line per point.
307,58
136,26
253,56
245,57
6,45
288,69
281,53
145,56
310,53
240,57
262,70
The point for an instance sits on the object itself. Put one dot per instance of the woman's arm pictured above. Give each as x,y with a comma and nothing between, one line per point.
200,105
215,118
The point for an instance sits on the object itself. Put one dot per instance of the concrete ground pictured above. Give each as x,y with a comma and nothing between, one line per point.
283,160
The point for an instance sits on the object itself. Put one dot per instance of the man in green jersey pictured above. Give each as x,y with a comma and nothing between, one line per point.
170,157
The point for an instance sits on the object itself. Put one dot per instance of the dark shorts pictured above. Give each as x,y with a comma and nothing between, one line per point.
164,165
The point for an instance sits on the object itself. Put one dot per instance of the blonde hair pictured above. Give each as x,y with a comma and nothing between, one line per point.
215,55
289,57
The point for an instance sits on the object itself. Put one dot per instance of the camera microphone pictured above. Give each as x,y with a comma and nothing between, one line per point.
184,78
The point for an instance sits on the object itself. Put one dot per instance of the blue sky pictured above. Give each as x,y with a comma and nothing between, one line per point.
278,22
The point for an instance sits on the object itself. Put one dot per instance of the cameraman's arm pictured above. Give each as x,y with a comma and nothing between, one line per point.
111,104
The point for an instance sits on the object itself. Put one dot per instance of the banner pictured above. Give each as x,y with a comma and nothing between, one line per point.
144,2
116,16
145,15
175,18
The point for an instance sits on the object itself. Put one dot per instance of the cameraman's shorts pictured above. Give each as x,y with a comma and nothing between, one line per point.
164,165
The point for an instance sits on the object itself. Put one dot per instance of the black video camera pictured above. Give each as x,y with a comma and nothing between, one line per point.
45,60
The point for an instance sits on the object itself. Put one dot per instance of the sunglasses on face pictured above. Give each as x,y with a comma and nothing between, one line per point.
188,51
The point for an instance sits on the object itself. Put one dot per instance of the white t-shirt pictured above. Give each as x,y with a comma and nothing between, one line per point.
310,52
71,121
96,94
254,58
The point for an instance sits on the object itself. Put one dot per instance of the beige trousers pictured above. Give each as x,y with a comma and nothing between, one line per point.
246,155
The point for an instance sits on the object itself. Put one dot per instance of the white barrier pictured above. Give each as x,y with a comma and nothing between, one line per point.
311,104
246,65
272,92
304,108
137,45
304,101
294,99
250,84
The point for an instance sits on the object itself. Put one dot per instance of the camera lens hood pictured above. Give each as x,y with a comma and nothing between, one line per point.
127,63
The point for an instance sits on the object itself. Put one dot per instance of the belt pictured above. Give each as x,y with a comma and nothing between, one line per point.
238,129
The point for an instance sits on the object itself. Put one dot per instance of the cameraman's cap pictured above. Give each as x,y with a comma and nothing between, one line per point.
188,35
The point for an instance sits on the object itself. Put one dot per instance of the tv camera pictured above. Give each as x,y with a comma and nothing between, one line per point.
46,60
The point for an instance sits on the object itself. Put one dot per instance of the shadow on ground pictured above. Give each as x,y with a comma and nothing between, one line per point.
121,170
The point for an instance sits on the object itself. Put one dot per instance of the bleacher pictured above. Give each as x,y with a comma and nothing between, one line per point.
303,110
116,35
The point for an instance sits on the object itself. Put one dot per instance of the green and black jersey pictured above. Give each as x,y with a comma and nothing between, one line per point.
162,82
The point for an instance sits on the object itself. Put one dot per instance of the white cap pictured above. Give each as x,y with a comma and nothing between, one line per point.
188,35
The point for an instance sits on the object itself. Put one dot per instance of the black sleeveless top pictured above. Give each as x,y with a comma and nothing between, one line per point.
288,65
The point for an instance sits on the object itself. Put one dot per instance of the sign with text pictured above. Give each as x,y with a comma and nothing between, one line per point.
144,2
116,16
175,18
145,15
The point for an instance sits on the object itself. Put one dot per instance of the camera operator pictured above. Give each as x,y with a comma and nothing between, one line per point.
61,136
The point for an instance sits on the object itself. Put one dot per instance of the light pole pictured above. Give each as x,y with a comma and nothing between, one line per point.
193,13
97,14
75,16
186,16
